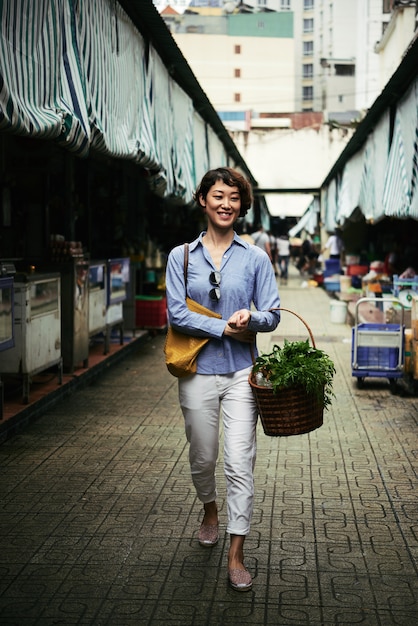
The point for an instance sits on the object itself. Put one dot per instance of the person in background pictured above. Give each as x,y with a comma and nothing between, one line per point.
273,250
236,279
307,256
283,256
334,245
262,240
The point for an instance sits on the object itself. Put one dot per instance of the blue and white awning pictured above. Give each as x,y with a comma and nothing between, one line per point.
81,74
329,201
349,191
308,221
396,195
389,169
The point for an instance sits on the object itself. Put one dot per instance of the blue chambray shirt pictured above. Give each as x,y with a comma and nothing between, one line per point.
247,278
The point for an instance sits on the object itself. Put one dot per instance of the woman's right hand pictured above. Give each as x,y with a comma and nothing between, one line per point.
240,334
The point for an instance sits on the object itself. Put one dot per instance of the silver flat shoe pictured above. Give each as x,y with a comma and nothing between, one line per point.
208,535
240,579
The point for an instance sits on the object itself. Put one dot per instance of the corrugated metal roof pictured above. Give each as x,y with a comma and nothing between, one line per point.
150,24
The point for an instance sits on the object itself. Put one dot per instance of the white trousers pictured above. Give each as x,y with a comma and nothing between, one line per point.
201,399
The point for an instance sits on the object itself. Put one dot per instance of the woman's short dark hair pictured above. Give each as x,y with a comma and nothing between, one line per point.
230,177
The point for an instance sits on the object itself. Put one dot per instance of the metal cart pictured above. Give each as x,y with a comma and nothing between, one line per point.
378,349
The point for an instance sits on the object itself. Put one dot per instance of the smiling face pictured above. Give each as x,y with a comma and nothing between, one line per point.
222,205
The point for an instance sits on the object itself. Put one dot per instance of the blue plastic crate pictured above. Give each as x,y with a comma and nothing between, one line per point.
376,357
332,284
332,266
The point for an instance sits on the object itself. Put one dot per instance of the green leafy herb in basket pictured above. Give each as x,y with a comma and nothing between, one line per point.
296,364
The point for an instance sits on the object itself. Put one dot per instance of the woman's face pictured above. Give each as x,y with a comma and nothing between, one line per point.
222,204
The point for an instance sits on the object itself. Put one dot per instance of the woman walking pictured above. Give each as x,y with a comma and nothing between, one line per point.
231,277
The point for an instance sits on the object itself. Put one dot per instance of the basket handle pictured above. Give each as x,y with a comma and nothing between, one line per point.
301,319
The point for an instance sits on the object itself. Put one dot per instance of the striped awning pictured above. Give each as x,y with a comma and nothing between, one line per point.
35,98
308,221
396,198
349,192
400,192
389,175
200,146
412,116
374,167
183,164
74,73
329,202
81,74
367,183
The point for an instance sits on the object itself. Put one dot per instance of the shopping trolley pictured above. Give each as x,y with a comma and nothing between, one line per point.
378,350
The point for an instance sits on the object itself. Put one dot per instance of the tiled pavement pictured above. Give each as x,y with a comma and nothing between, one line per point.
98,517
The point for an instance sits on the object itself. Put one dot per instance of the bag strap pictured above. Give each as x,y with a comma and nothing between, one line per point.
186,263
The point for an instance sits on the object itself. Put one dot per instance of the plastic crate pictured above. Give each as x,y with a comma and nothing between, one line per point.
332,266
332,283
375,356
150,311
357,270
352,259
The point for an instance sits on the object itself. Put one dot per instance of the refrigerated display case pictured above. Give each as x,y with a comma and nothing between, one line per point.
6,313
37,328
97,300
118,280
6,321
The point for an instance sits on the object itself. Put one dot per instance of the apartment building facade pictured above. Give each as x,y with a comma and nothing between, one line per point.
245,63
335,65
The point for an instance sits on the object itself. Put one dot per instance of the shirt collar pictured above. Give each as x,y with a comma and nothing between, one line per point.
236,240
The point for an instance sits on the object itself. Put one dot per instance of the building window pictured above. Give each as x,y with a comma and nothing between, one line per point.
237,97
308,5
308,70
285,5
194,29
237,73
386,6
308,26
307,93
307,48
344,70
237,49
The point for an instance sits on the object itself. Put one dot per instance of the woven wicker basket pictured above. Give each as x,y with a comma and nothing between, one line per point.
289,411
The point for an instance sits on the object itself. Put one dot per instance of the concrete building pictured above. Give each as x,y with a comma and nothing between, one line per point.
392,45
335,65
247,63
337,56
